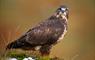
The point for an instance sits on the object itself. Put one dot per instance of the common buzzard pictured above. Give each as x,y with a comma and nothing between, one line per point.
44,35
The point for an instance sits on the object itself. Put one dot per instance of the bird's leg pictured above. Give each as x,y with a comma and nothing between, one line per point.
45,50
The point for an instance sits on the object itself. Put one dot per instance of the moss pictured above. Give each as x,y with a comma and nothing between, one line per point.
21,56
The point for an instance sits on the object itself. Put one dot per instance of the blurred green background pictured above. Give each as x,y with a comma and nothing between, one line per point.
17,16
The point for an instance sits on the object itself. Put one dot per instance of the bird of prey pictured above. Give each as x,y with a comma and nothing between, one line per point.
44,35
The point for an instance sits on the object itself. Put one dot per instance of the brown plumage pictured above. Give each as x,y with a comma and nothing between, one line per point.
44,34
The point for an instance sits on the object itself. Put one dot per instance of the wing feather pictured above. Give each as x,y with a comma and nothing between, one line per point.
46,32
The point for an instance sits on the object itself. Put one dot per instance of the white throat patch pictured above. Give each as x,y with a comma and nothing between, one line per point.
64,17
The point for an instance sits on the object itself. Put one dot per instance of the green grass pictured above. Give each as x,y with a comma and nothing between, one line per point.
21,55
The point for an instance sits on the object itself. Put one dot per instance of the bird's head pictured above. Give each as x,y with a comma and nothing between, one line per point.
62,11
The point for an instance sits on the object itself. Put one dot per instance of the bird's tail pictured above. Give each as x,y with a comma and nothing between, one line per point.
16,44
13,45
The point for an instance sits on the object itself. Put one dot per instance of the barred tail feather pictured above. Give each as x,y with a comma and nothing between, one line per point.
16,44
13,45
